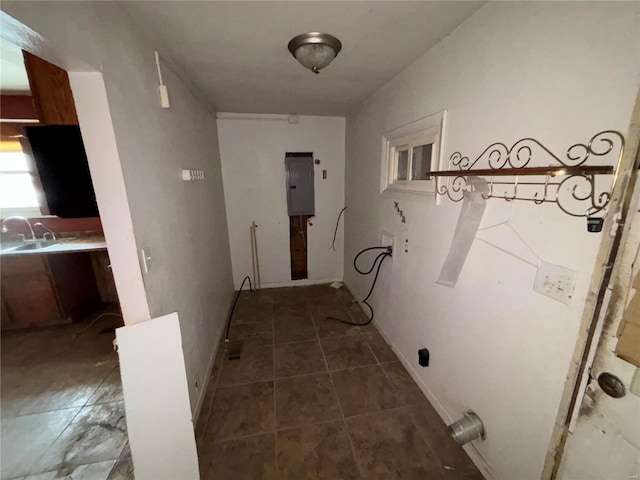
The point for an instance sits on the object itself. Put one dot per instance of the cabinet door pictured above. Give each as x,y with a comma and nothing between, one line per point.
30,300
5,319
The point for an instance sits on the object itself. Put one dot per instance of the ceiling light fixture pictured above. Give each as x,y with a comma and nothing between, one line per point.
315,50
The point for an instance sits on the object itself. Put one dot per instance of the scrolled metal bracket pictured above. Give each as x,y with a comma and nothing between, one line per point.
581,193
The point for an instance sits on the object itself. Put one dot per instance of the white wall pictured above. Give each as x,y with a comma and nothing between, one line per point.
559,72
253,151
183,223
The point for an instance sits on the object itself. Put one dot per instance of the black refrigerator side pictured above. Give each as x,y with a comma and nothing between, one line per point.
62,165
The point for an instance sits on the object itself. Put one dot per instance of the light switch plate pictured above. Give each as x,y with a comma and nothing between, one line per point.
145,253
555,281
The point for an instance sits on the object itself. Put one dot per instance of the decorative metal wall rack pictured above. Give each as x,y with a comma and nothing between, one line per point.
581,192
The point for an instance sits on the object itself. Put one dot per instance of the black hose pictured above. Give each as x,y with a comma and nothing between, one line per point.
381,257
335,232
226,338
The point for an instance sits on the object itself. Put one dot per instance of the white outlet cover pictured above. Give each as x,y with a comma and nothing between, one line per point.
555,281
387,239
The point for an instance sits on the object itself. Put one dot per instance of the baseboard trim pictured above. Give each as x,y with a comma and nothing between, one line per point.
205,384
300,283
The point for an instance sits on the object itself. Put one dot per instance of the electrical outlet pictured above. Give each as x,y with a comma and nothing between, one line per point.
555,281
388,239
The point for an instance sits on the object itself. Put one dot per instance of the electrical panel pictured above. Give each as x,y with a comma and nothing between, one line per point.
300,189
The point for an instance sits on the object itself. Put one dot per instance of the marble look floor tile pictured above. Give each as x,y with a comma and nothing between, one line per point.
403,384
448,452
293,328
96,434
364,390
51,388
316,452
323,294
254,365
205,409
25,439
252,313
304,400
251,458
291,309
333,328
388,445
252,334
91,471
123,468
298,358
381,349
241,410
110,390
348,351
289,296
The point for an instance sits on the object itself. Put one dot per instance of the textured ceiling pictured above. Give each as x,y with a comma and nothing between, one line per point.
13,74
236,52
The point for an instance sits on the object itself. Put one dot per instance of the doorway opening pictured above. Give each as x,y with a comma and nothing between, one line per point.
62,400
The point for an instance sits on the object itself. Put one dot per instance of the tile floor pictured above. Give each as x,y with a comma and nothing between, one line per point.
61,404
316,399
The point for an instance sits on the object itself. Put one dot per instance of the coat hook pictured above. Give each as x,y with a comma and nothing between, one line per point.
490,194
515,191
546,189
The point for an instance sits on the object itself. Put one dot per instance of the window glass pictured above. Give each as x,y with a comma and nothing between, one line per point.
421,163
16,191
13,162
16,184
403,164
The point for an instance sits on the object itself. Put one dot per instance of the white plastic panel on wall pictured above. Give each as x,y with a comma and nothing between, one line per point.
154,381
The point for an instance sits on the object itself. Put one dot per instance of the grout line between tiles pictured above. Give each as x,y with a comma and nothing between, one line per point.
335,393
275,404
303,374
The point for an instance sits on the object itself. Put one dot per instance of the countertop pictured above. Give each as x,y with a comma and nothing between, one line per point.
66,245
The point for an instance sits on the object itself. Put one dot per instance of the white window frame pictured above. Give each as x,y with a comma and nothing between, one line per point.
428,130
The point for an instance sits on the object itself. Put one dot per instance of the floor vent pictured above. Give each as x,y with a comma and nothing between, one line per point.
235,350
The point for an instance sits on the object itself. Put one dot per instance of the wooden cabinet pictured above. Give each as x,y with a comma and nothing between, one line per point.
46,289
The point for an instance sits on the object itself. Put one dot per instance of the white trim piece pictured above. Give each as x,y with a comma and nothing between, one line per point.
427,130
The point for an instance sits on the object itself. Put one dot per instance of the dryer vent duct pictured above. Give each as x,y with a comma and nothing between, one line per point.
467,429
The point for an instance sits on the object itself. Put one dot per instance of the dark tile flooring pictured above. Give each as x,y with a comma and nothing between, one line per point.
312,398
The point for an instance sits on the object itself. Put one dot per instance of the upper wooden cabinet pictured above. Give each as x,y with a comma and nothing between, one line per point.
51,92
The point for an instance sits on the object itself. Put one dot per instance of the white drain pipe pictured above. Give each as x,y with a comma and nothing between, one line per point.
254,255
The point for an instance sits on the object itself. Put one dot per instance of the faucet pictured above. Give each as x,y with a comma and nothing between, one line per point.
23,219
48,230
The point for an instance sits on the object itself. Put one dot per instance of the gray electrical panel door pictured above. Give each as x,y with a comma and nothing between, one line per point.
300,194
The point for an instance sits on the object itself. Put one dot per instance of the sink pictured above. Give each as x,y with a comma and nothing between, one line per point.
36,245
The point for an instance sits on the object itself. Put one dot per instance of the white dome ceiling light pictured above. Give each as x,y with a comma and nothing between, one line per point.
315,50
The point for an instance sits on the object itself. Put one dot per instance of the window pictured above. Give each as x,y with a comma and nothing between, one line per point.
18,194
410,154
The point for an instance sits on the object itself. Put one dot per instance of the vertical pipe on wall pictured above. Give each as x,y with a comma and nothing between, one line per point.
254,255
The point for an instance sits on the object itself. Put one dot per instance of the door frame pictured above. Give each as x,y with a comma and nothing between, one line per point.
597,303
